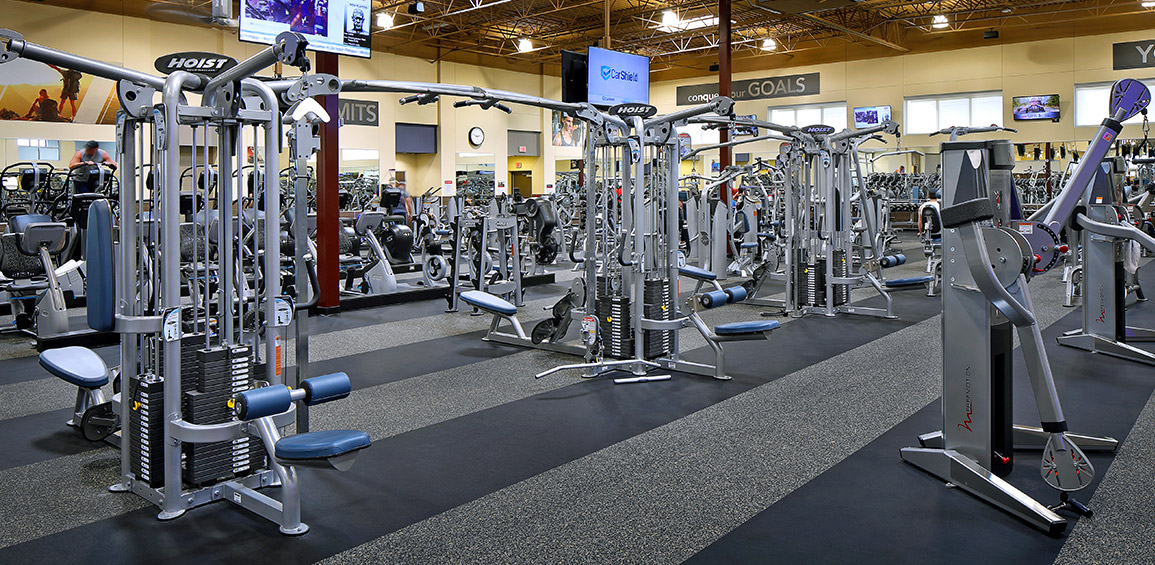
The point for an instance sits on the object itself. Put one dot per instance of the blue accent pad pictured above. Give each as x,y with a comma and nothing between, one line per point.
442,232
488,302
78,365
911,281
767,235
326,388
261,402
18,224
741,328
893,260
714,299
750,245
321,445
101,272
696,273
737,293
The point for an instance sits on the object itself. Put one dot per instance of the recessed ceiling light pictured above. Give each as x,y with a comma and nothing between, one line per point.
384,20
1147,4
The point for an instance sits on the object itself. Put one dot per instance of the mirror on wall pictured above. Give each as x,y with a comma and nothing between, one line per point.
566,175
359,178
475,174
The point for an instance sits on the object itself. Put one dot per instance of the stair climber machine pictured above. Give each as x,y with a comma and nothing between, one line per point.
203,396
987,261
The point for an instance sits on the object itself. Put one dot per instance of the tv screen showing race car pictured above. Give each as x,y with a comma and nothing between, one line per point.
1044,107
333,26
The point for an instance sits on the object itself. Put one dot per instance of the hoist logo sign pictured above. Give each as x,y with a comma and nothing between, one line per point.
818,130
210,64
629,110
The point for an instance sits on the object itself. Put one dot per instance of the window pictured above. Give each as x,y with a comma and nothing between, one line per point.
833,115
929,114
1093,101
37,150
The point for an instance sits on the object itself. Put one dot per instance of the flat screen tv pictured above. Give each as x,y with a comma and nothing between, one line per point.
616,78
867,116
1045,107
574,75
333,26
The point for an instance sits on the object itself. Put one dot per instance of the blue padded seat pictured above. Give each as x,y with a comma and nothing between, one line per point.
739,328
696,273
20,223
488,302
750,245
767,235
442,232
78,365
910,281
321,445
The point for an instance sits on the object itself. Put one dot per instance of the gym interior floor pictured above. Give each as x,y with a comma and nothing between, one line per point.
473,460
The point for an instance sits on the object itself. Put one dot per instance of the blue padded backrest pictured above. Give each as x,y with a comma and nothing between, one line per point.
326,387
261,402
101,291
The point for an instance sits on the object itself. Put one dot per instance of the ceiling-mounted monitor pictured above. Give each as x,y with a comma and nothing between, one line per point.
573,77
1044,107
616,78
333,26
868,116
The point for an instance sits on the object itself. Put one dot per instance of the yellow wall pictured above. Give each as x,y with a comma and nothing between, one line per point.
1041,67
1017,69
135,43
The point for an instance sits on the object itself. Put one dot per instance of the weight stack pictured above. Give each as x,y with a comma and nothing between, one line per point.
221,373
613,313
841,269
809,281
614,317
659,301
146,430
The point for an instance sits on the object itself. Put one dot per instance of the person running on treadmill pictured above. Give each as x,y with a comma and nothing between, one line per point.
92,154
928,218
69,90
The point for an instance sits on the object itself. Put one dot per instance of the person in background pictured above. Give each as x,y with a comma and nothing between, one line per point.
69,90
36,103
405,207
928,215
901,169
92,154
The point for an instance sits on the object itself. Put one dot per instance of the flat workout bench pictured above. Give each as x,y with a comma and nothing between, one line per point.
503,309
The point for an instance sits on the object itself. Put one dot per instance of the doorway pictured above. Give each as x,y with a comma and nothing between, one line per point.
522,182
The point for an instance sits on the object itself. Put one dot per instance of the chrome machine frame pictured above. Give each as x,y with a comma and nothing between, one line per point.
987,261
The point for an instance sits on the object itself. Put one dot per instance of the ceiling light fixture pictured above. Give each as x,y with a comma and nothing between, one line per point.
769,44
939,22
524,45
384,20
1147,4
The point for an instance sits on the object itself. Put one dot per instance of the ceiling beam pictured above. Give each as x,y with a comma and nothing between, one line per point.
855,33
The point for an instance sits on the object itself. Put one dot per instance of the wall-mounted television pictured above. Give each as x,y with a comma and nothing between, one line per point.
333,26
747,130
1045,107
867,116
616,78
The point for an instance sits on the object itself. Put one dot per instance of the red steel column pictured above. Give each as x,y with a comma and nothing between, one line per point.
724,81
328,211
